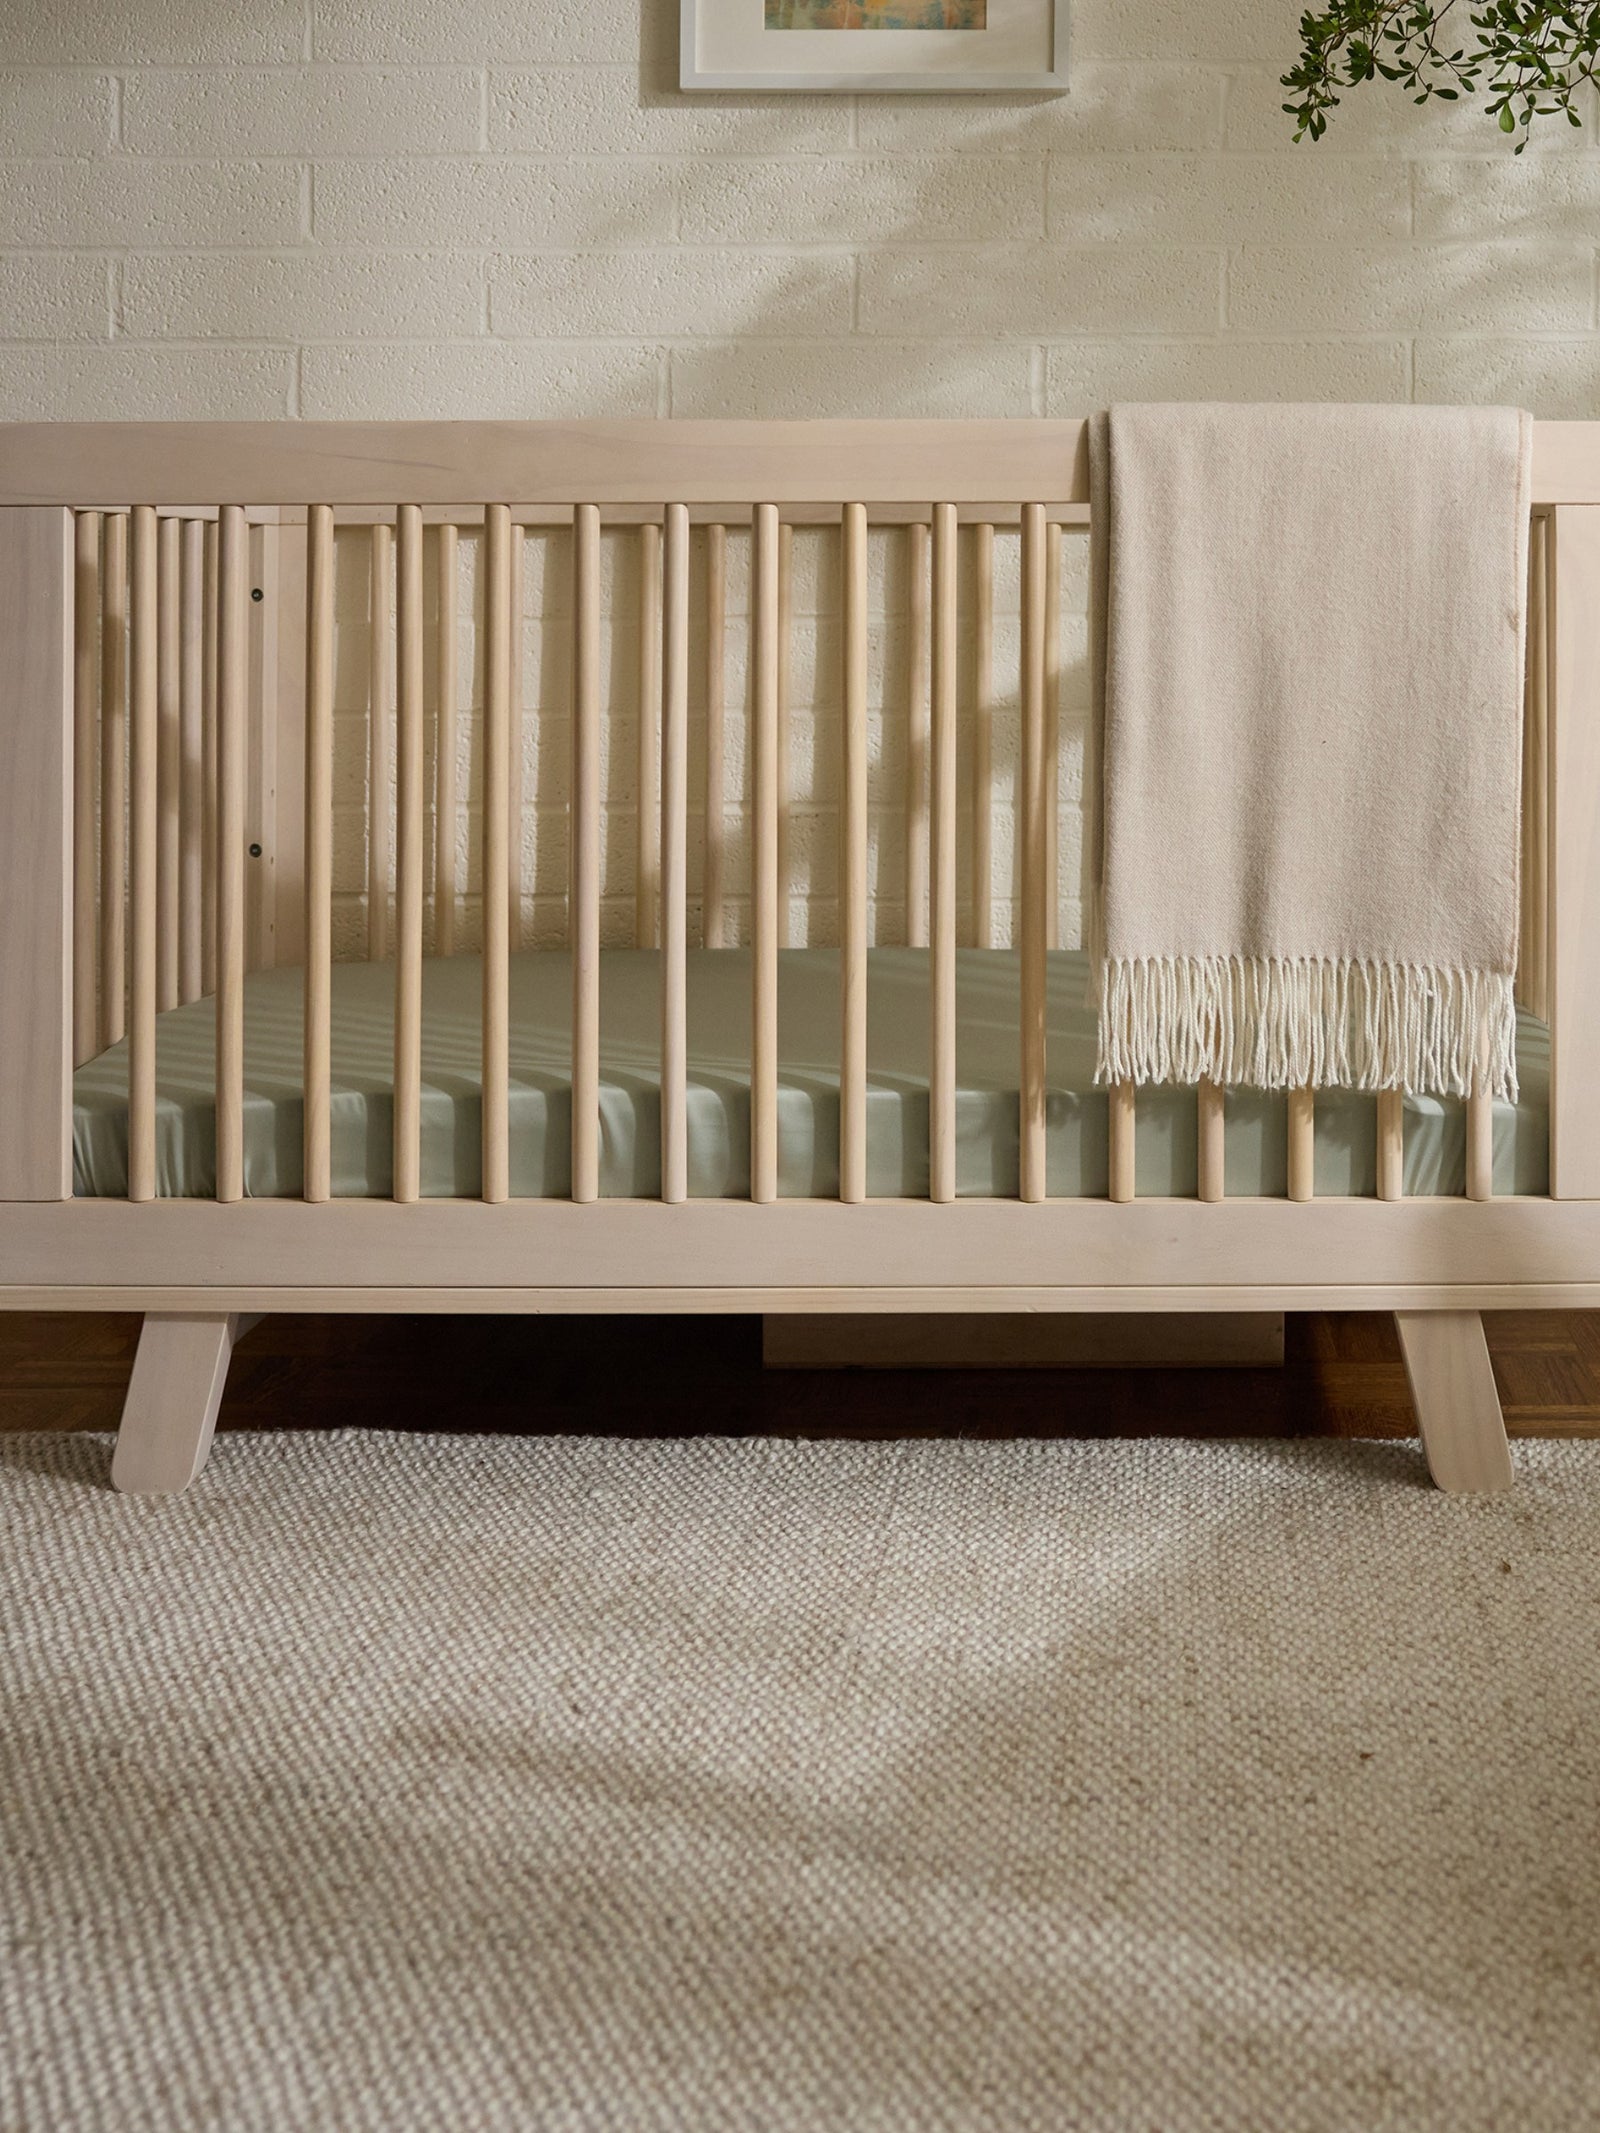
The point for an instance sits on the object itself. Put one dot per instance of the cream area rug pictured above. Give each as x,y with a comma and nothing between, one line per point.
386,1782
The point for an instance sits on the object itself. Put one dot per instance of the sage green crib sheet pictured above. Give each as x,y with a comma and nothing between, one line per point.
718,1095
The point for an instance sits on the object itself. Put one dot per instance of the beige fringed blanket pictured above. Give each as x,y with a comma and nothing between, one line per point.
1308,665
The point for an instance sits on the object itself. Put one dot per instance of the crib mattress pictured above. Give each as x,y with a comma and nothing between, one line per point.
718,1093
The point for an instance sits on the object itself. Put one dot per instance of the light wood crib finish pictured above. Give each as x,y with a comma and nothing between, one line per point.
166,824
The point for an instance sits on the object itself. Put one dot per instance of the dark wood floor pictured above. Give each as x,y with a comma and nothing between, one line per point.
686,1376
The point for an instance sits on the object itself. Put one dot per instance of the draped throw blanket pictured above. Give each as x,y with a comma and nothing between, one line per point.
1307,650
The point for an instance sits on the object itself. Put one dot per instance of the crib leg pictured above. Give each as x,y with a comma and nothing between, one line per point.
1458,1408
173,1397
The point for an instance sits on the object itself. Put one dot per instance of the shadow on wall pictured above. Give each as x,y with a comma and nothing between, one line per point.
1177,255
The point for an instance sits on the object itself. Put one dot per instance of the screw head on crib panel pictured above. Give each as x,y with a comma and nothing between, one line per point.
255,851
256,593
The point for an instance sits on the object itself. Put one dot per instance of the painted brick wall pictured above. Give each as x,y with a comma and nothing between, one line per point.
399,207
359,208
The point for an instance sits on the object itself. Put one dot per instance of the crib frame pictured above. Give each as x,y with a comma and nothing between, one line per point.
198,1269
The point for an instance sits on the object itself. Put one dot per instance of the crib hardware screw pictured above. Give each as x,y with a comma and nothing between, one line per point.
255,592
255,851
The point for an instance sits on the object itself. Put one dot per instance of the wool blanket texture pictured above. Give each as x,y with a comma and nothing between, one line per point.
1307,633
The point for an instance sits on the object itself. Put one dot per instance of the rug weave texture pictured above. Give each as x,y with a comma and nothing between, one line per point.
386,1782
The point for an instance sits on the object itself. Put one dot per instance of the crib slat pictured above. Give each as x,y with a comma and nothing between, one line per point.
113,775
318,849
983,739
496,831
408,859
647,865
853,863
1480,1147
1480,1136
1211,1146
918,798
380,708
674,858
1052,736
516,770
585,941
1391,1144
191,746
85,747
1035,848
1533,960
233,562
444,765
169,758
942,868
143,833
210,594
1122,1142
713,888
1302,1144
785,635
764,856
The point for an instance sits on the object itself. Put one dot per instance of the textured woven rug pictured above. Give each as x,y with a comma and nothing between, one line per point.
388,1782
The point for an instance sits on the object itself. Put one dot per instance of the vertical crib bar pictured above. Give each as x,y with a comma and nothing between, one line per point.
210,596
942,869
1122,1142
85,739
983,740
318,849
1533,970
917,720
1391,1144
1302,1144
674,859
380,700
191,746
233,553
853,862
647,875
1480,1131
408,859
585,941
1052,736
444,766
1480,1147
785,632
516,771
113,776
143,833
1210,1145
169,754
496,870
1035,847
713,888
764,856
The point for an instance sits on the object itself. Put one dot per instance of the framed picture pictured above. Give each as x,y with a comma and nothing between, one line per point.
874,44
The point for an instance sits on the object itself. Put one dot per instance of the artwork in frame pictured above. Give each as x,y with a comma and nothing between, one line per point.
872,45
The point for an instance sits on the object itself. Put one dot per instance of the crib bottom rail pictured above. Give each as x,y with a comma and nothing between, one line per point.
802,1254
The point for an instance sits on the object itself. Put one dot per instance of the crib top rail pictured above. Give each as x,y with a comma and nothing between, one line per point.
815,463
378,463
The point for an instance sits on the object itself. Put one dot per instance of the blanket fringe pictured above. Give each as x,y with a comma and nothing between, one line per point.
1273,1022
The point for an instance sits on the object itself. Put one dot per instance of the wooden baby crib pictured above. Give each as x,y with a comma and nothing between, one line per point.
173,811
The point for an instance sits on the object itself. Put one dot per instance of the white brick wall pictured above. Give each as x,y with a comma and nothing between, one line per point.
349,208
399,207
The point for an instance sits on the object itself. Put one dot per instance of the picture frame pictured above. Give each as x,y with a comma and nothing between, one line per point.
802,46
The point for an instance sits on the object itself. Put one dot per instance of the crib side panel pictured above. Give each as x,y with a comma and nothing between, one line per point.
36,740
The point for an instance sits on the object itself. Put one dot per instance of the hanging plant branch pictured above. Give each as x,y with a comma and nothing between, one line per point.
1527,60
